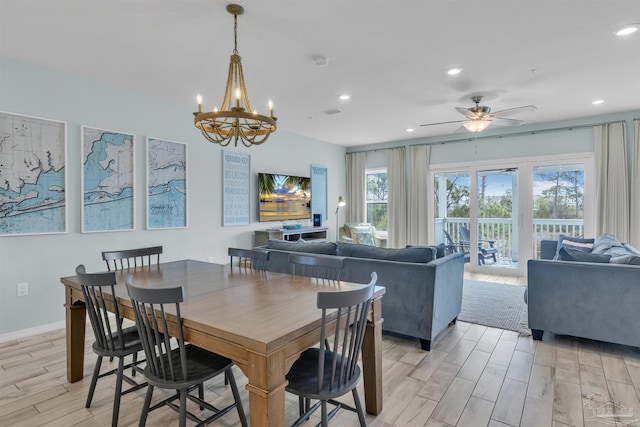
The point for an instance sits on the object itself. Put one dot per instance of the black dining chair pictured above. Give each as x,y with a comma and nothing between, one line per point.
171,362
254,259
131,258
316,265
111,340
329,372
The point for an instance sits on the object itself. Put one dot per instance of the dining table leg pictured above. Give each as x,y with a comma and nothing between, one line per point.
372,360
75,314
266,387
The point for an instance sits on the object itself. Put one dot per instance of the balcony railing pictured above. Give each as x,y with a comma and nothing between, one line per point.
501,231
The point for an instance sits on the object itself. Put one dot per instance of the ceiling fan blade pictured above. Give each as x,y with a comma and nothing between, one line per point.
467,112
443,123
506,122
516,110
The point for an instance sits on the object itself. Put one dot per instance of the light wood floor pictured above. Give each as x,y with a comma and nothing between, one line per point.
474,376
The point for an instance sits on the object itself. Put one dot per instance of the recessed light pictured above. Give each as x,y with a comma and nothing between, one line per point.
598,102
454,70
410,130
626,30
344,97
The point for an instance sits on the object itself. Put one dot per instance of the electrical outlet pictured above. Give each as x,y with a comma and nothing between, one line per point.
23,289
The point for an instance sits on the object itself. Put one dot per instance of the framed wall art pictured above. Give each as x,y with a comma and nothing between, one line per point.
166,184
107,180
33,178
236,184
319,191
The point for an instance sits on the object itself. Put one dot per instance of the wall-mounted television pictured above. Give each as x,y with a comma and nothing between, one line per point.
283,197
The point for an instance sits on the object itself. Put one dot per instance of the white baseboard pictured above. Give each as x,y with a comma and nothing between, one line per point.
29,332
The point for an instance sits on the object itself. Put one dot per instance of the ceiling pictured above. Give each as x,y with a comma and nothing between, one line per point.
390,56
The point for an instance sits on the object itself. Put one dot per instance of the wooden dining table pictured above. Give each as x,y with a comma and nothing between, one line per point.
260,320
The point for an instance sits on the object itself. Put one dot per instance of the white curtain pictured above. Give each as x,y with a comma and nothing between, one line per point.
417,225
396,199
355,196
634,232
612,185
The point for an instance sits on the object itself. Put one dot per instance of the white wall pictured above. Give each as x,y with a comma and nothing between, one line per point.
42,260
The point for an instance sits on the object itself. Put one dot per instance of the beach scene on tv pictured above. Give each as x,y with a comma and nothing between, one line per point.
284,197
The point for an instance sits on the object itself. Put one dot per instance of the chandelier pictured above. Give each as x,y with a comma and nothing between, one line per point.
235,120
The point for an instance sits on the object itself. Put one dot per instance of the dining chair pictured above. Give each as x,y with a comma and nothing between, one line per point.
254,259
131,258
326,373
316,265
171,362
111,340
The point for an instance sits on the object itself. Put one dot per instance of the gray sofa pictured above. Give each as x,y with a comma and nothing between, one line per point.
596,300
423,295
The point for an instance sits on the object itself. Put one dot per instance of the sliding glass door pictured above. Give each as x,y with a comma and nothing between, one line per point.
497,217
498,213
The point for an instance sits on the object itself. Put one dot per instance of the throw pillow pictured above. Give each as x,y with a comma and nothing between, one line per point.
362,234
562,238
567,254
605,243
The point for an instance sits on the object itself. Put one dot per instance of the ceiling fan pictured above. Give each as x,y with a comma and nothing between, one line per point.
478,118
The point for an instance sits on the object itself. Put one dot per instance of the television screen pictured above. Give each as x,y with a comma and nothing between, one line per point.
283,197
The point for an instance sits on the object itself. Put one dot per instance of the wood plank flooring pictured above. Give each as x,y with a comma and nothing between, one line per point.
474,376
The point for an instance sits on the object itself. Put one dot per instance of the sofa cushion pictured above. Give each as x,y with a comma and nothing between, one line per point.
441,249
416,254
626,259
567,254
573,243
326,248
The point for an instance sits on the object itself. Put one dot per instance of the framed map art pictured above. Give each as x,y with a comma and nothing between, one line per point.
166,184
107,180
33,179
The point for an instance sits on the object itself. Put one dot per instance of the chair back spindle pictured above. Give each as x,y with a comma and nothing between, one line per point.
254,259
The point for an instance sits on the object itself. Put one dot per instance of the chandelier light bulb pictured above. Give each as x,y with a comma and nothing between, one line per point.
199,99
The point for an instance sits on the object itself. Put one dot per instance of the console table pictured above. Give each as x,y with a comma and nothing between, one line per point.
305,233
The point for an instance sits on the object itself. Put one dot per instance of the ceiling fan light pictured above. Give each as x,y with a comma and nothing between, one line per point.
476,126
626,30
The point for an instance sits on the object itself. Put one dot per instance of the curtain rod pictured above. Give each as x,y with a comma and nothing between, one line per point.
500,136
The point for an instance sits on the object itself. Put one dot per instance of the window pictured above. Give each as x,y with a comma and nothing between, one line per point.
377,198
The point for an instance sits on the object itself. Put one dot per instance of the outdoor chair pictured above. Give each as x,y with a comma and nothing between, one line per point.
484,252
181,367
131,258
110,340
456,247
325,374
254,259
321,266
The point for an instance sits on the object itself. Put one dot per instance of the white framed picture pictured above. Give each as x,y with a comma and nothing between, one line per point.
236,184
108,196
33,171
166,184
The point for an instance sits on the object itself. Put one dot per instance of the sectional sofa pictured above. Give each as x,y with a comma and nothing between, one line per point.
423,292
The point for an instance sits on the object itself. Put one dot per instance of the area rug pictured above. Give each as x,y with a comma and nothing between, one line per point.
494,304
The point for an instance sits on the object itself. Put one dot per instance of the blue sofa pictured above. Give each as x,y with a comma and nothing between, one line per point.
595,300
423,292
